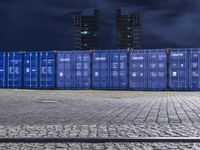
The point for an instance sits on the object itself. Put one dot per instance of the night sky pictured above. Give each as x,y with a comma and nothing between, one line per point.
47,24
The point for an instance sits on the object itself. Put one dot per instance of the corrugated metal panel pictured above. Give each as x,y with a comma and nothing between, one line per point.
47,69
178,69
138,70
194,69
2,70
14,70
31,70
118,70
157,69
73,71
100,70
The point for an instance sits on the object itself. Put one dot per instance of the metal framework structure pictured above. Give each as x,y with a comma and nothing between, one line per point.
128,30
86,30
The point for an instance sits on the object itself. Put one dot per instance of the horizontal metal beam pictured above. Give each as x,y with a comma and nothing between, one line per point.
101,140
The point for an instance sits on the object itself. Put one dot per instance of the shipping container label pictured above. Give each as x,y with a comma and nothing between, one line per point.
64,59
100,58
137,58
177,54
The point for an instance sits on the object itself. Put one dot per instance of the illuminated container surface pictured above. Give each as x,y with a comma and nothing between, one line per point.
73,70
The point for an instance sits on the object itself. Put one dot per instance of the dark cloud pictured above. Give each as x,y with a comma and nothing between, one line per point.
47,24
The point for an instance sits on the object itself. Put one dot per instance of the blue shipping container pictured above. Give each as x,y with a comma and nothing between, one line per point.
31,70
14,69
100,70
47,69
73,70
2,69
118,69
194,69
157,69
110,69
178,79
138,70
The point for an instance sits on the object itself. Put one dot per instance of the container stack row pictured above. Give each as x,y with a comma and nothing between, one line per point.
156,69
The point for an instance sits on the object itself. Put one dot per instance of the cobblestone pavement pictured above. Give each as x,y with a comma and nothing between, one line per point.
102,146
140,130
98,107
153,130
29,113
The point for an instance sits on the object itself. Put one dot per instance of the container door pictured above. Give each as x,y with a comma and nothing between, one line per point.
179,69
43,70
194,69
69,70
138,70
123,71
51,70
2,70
47,70
96,79
101,70
157,66
114,70
86,77
14,70
31,70
61,70
78,72
118,70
